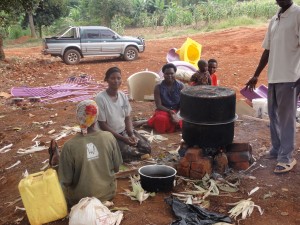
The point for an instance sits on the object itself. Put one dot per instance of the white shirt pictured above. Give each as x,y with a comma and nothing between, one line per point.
283,41
113,112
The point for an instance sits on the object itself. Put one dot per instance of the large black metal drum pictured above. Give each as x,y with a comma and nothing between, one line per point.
208,114
207,104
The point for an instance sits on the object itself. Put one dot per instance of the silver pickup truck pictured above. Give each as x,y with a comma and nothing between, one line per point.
74,43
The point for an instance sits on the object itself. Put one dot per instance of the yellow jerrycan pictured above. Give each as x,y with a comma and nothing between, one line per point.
190,52
42,197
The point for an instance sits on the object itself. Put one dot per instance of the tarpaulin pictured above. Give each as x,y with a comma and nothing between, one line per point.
188,214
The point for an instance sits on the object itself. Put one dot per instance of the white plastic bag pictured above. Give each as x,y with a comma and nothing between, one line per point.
91,211
260,105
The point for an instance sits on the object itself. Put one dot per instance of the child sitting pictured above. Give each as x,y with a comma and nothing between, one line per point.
201,77
212,68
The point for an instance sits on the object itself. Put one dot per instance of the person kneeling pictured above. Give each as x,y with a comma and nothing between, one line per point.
88,161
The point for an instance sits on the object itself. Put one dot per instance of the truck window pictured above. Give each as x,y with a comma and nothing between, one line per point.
91,34
107,34
68,33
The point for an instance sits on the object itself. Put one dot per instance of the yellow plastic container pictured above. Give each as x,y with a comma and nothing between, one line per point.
43,197
190,51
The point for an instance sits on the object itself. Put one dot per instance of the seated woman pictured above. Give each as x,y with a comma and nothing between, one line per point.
115,117
88,162
167,101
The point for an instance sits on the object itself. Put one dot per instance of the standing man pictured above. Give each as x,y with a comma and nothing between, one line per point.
282,54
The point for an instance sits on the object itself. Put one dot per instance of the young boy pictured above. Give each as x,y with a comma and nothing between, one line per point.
212,68
201,77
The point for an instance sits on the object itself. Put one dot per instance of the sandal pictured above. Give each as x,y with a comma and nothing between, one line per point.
53,154
284,167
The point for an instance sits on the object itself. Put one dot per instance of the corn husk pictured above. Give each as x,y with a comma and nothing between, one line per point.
269,195
119,209
253,191
189,199
31,149
18,220
2,150
151,137
227,188
137,193
243,208
19,208
8,204
37,136
207,187
17,163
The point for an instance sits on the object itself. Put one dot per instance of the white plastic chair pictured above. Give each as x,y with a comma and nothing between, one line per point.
141,85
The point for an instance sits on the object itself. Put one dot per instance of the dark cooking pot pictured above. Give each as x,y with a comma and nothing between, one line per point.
156,178
208,135
207,104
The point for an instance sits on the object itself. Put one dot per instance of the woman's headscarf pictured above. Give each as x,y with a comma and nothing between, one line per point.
86,114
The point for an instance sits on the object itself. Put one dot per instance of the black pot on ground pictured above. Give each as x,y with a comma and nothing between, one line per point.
155,178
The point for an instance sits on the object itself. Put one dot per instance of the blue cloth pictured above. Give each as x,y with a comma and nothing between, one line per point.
170,97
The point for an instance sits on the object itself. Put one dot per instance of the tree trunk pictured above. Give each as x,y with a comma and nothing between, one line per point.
2,55
31,25
40,31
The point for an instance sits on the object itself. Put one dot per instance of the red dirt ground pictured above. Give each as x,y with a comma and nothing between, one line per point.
237,51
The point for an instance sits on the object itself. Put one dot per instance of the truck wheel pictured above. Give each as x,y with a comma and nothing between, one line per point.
72,57
130,54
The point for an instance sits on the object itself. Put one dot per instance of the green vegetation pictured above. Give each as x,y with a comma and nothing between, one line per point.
234,22
17,31
122,14
186,16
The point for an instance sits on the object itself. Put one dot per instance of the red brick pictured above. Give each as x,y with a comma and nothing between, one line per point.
183,168
234,157
239,147
220,163
196,175
239,165
201,167
193,154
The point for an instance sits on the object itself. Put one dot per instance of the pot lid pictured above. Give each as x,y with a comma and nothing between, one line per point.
207,91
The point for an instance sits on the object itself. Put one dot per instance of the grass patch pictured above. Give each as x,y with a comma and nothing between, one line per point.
174,32
234,22
19,43
212,26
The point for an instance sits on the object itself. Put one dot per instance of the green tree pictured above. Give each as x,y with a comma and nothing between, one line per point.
30,6
8,11
84,7
104,10
48,11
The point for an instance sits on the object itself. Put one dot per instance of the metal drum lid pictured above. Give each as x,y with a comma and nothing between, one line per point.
207,104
